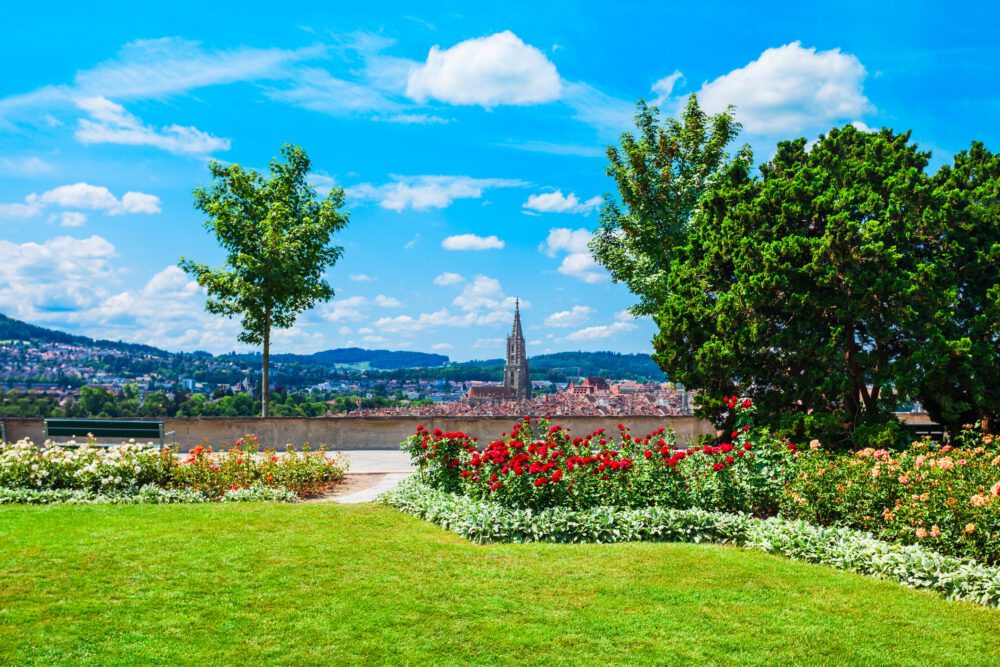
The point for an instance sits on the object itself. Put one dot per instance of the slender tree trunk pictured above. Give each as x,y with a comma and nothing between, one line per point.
265,387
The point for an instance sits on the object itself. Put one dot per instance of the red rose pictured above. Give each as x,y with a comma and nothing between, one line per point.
730,460
540,481
717,467
648,454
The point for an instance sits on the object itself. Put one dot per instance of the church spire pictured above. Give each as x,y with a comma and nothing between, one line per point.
515,374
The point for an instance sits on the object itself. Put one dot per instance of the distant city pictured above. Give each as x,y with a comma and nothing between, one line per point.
54,366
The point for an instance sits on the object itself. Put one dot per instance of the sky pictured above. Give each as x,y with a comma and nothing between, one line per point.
470,140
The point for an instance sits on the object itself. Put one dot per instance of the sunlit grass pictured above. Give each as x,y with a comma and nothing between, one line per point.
329,584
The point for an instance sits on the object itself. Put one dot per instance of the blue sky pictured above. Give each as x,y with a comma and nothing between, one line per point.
470,141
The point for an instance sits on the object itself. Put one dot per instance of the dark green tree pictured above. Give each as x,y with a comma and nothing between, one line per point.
958,353
277,235
661,173
805,285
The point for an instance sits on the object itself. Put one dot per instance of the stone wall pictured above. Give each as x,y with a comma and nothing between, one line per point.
366,432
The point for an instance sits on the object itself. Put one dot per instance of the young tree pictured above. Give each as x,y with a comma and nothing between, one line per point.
661,174
277,234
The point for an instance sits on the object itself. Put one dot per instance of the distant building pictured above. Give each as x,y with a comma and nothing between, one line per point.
516,376
590,385
515,372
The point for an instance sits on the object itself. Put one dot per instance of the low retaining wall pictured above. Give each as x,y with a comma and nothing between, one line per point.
368,432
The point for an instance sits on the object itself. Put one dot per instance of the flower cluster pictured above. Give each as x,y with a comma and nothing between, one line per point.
127,468
945,497
542,465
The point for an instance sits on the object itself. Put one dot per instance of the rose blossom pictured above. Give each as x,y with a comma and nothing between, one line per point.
921,533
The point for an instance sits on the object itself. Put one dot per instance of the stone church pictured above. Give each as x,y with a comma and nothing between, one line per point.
516,377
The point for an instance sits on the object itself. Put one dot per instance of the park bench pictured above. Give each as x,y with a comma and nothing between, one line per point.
140,430
935,432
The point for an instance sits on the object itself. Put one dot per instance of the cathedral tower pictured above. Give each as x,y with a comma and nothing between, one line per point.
515,372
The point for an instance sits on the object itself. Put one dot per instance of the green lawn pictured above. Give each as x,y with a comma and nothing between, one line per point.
327,584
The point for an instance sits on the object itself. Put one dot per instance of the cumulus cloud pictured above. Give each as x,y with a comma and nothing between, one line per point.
577,262
448,278
384,301
99,198
486,71
56,276
72,219
339,310
472,242
574,317
600,332
427,192
360,278
81,195
790,88
556,202
110,123
442,346
483,293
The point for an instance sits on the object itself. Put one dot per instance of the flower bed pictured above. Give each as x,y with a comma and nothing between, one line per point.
486,521
132,471
946,498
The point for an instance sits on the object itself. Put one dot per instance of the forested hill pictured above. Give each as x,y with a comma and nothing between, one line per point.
11,329
603,364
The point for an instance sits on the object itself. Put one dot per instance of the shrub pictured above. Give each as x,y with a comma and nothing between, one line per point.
124,470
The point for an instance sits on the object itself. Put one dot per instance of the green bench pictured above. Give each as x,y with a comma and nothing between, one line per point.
141,430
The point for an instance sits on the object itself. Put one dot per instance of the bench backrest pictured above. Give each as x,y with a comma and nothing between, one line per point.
104,428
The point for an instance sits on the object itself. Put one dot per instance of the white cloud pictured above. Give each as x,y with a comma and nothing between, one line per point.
18,211
624,316
578,262
441,346
157,68
600,332
448,278
426,192
789,89
344,331
360,278
472,242
378,340
665,86
99,198
72,219
490,343
110,123
556,202
384,301
483,293
81,195
56,276
486,71
858,125
349,309
608,114
574,317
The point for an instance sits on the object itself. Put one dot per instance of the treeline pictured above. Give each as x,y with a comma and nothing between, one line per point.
99,403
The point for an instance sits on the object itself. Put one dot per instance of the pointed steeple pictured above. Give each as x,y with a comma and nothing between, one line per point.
516,375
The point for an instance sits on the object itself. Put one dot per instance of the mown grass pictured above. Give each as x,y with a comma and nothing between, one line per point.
328,584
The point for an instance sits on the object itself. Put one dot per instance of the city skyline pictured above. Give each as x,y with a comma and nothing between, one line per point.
462,196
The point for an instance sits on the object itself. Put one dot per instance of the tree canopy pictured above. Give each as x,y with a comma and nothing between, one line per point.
277,235
840,279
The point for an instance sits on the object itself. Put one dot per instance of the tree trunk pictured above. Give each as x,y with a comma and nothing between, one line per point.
265,386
